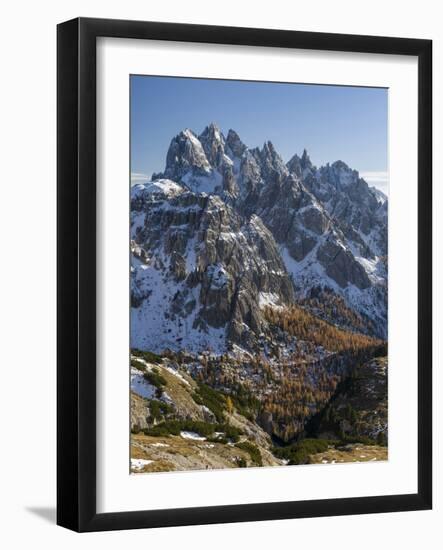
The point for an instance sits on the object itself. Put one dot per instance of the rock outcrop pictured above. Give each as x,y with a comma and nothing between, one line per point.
200,272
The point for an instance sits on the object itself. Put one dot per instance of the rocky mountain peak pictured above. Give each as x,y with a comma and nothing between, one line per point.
294,165
269,152
300,166
272,165
339,174
305,161
235,144
213,143
185,152
212,134
212,128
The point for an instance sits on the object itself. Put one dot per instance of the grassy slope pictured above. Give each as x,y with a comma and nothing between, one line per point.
173,452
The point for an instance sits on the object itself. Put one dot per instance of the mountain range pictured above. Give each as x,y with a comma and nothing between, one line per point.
226,232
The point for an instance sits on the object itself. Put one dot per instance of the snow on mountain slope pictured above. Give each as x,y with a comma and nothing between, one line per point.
164,187
382,197
198,271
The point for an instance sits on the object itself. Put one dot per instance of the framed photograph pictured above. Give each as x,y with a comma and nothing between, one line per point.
244,261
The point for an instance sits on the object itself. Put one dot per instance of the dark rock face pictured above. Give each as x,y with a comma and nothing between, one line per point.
354,205
230,187
230,228
272,166
220,268
291,214
341,266
300,166
213,143
294,166
235,145
366,397
314,220
185,153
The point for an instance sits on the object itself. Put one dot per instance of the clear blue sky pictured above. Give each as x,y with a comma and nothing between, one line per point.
331,122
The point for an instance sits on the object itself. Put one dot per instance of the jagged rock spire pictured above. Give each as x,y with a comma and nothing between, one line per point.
185,153
213,143
294,165
305,161
300,166
235,144
271,161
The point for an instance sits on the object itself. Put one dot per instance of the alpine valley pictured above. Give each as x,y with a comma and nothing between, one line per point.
258,310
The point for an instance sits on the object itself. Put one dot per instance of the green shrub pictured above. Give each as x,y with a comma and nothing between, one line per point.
212,399
158,409
350,414
217,439
148,356
292,455
154,409
284,453
230,432
241,462
155,378
312,446
205,429
157,431
252,450
245,402
174,427
300,452
299,457
137,365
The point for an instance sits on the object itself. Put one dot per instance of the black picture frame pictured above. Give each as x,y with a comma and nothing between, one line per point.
76,282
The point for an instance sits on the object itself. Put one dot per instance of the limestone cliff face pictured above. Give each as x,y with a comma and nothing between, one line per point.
341,266
185,153
202,271
355,206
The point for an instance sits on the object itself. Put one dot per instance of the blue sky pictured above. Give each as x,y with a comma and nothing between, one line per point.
331,122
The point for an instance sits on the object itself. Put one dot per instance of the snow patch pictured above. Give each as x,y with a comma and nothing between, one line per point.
268,299
164,187
192,435
140,386
139,463
203,183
